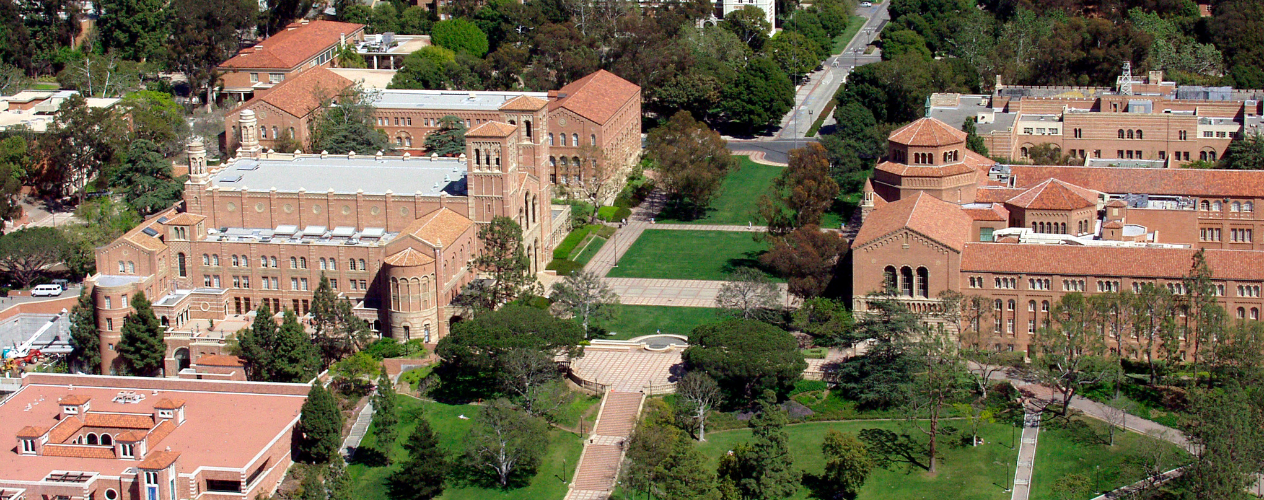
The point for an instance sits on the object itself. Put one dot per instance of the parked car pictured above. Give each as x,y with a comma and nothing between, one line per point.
46,291
866,4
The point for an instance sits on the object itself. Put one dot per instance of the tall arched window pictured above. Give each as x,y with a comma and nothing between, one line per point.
362,267
550,139
906,281
293,262
575,139
206,259
1121,133
1130,134
131,267
923,282
180,265
302,262
215,260
563,139
528,125
593,139
1139,134
889,283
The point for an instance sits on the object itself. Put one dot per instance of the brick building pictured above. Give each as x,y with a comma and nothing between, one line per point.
938,217
393,234
594,119
302,46
127,438
1152,123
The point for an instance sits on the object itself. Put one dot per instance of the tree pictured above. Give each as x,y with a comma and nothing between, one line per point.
256,344
424,472
141,347
337,481
156,117
344,123
14,167
427,68
651,442
82,143
1246,153
750,24
686,474
324,313
698,395
385,415
203,35
449,140
26,254
878,379
12,79
585,297
976,413
1153,309
85,340
503,261
280,13
794,53
828,321
807,257
505,445
146,178
355,373
1070,351
973,141
478,352
749,294
801,193
1204,318
936,384
847,462
319,429
136,29
761,94
531,376
459,35
764,468
691,159
294,358
745,357
99,75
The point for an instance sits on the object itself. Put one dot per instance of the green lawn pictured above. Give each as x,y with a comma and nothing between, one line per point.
634,321
1062,452
688,255
853,26
735,204
964,472
556,468
591,249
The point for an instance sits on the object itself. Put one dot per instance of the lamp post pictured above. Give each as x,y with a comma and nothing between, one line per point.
811,120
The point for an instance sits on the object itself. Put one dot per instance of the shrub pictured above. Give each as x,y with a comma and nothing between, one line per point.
815,353
564,267
613,214
581,211
803,386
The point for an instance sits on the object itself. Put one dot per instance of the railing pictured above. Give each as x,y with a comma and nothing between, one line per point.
591,385
659,389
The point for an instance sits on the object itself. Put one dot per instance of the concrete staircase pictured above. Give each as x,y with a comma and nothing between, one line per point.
603,451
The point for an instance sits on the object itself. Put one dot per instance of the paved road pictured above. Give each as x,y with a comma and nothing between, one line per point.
6,302
775,150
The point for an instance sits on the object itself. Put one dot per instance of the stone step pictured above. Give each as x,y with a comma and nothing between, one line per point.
598,467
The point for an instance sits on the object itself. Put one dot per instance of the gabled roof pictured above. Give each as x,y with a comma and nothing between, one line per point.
78,451
1107,261
64,430
298,43
158,460
31,431
408,257
144,241
596,97
904,170
925,214
524,103
118,420
300,95
185,219
170,404
219,360
440,227
1206,183
995,194
1053,194
73,399
492,129
992,212
927,132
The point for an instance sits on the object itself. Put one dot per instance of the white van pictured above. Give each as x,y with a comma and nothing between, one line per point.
46,291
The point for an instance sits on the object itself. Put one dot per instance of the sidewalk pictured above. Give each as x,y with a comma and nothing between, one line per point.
1025,467
598,468
358,430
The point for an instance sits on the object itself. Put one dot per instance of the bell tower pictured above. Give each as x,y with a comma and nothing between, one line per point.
249,135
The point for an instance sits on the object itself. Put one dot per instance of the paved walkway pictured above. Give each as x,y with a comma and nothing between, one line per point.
1026,454
628,370
358,430
598,467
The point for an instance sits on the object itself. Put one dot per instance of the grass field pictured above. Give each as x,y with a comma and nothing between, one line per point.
736,202
688,255
853,26
1062,452
555,470
594,245
634,321
964,472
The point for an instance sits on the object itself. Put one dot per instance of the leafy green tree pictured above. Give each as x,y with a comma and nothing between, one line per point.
477,352
973,141
794,53
203,35
761,94
384,18
1246,153
99,75
503,261
385,414
900,42
685,473
294,358
312,488
764,468
156,117
347,57
424,473
83,143
85,340
807,257
937,382
801,194
459,35
319,429
26,253
344,123
1071,350
745,357
256,344
146,178
750,24
355,373
847,462
14,164
879,378
136,29
652,440
584,297
141,347
828,321
691,159
105,219
338,332
416,20
505,446
449,140
337,481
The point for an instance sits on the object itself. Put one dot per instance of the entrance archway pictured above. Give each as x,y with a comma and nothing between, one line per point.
182,358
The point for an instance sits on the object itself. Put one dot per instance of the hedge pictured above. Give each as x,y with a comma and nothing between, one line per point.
613,214
564,267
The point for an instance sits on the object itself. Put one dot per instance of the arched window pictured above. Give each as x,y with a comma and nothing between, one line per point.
1121,133
215,259
272,261
351,264
322,263
1255,313
106,440
1062,228
1024,152
1033,226
593,139
1011,304
906,281
333,265
235,261
1241,313
889,283
1235,207
563,139
362,266
550,138
92,438
180,265
1206,205
1130,134
293,262
131,267
1139,134
122,267
575,139
1216,206
1248,207
206,259
923,282
302,262
528,125
1031,306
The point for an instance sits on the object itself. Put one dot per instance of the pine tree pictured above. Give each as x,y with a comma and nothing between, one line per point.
257,343
85,340
294,358
319,427
973,141
325,322
847,462
312,488
141,347
686,474
764,468
385,416
424,472
337,482
504,261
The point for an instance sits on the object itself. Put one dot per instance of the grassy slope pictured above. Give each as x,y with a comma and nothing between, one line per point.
1061,452
853,26
688,255
736,202
634,321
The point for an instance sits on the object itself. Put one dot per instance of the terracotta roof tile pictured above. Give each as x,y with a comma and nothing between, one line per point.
158,460
118,420
288,48
597,96
1117,203
1157,181
995,195
492,129
31,431
185,219
524,103
925,170
130,436
1053,194
300,95
159,433
440,227
408,257
220,360
73,399
77,451
1114,224
137,236
64,430
927,132
169,404
1106,261
925,214
995,212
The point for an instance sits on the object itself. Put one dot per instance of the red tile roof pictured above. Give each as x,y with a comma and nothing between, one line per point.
408,257
158,460
492,129
64,430
1106,261
1053,194
925,170
185,219
300,95
291,47
118,420
220,360
159,433
927,132
995,212
31,431
995,195
130,436
925,214
169,404
73,399
1160,181
77,451
440,227
524,103
596,97
1114,224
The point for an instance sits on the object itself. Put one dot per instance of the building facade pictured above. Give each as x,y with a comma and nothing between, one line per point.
284,55
1024,236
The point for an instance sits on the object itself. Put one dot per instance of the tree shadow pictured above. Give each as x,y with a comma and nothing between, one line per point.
749,259
889,448
818,487
369,457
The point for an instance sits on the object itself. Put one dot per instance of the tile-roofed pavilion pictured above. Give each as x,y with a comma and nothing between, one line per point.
596,97
1053,194
927,132
936,219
